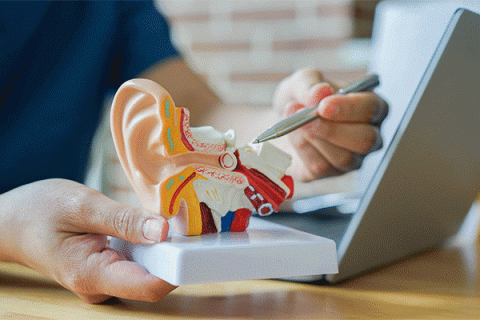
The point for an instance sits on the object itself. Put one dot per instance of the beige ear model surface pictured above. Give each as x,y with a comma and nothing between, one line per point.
154,144
134,126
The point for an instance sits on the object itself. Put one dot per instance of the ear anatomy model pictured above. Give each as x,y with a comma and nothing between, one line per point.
196,176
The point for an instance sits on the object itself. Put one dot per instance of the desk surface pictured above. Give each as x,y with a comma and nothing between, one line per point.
442,283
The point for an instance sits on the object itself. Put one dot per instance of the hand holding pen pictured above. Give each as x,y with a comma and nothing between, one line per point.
346,125
309,114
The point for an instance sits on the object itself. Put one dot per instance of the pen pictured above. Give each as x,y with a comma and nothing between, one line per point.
305,116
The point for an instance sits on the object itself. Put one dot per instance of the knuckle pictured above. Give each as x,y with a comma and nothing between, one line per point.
75,204
380,112
334,100
77,282
355,99
81,201
300,140
318,168
345,162
350,162
384,105
302,144
372,142
357,162
386,108
110,256
366,147
314,131
379,144
326,131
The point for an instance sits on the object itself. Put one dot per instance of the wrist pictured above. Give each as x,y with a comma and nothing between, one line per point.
9,233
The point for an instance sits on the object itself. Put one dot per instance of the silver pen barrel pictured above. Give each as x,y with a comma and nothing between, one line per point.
365,84
307,115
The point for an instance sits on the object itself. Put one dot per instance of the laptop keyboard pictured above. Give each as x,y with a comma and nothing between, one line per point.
328,223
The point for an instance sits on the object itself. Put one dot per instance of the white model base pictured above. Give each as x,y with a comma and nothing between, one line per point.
265,250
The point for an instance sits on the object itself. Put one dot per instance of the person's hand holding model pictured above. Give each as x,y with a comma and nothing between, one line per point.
59,227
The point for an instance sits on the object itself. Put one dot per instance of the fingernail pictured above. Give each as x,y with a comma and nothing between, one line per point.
378,144
329,111
357,162
380,114
152,230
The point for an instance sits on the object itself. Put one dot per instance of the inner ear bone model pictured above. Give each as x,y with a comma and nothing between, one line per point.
195,176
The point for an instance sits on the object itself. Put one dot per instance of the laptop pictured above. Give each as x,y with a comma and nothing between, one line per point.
430,173
418,197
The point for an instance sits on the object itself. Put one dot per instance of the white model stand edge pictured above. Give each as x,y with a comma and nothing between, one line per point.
265,250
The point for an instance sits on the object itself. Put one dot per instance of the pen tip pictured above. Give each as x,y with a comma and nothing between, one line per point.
256,141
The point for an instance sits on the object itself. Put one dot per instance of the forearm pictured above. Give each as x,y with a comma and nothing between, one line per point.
190,91
187,89
9,233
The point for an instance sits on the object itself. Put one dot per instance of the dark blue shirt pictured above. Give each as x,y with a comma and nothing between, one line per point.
57,62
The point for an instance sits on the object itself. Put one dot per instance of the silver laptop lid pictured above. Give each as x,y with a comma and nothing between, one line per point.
430,173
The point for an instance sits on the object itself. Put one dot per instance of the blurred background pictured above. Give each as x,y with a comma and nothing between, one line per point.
244,48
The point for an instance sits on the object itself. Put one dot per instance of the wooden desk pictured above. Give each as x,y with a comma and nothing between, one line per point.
438,284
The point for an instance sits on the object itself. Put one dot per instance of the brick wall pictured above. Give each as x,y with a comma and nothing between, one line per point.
363,13
244,48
